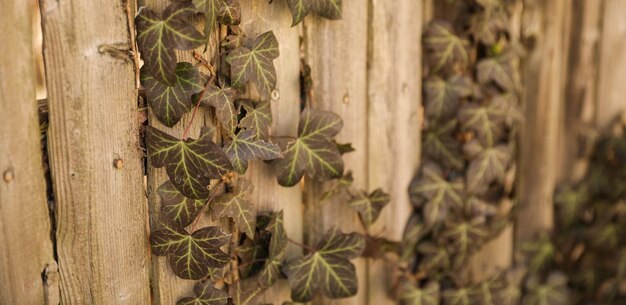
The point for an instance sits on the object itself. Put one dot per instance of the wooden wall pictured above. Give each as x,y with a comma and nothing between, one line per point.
93,247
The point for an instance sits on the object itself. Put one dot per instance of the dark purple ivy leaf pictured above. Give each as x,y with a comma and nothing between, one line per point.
330,9
244,147
177,208
255,64
443,96
258,118
464,237
427,295
205,294
159,35
223,100
313,152
236,205
487,165
227,12
191,255
253,253
553,291
444,48
190,164
369,206
502,70
169,103
486,121
440,145
327,269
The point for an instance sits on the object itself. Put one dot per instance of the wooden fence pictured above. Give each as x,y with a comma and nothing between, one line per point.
82,236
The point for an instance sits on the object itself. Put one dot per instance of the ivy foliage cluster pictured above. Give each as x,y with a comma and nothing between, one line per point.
461,194
236,261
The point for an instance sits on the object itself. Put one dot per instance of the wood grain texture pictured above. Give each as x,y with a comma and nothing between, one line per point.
25,244
581,90
543,24
100,210
337,54
257,18
394,124
167,288
611,89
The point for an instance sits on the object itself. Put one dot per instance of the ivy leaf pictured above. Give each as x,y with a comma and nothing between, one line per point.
255,64
271,271
460,296
553,292
190,164
191,255
245,292
443,96
487,121
344,148
327,269
169,103
339,186
445,49
464,237
223,100
235,205
369,206
158,36
433,257
244,147
205,294
274,223
177,208
440,145
502,70
440,193
488,164
487,27
330,9
253,252
229,13
258,118
427,295
313,152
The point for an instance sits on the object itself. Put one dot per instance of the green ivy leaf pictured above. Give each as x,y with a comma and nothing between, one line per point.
440,144
330,9
235,205
445,49
205,294
327,269
427,295
244,147
190,164
191,255
255,64
487,121
258,118
313,152
502,70
158,36
169,103
177,208
488,164
439,193
553,292
223,100
443,96
369,206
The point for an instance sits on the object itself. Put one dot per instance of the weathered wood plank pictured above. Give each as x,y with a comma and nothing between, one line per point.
394,99
101,210
612,71
25,244
257,18
543,24
337,54
581,89
167,288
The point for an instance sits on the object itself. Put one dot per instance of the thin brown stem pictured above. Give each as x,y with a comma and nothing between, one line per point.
303,246
214,193
195,109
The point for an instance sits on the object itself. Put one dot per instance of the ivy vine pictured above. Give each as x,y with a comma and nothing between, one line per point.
235,262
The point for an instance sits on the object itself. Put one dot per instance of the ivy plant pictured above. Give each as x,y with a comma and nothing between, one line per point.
243,253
